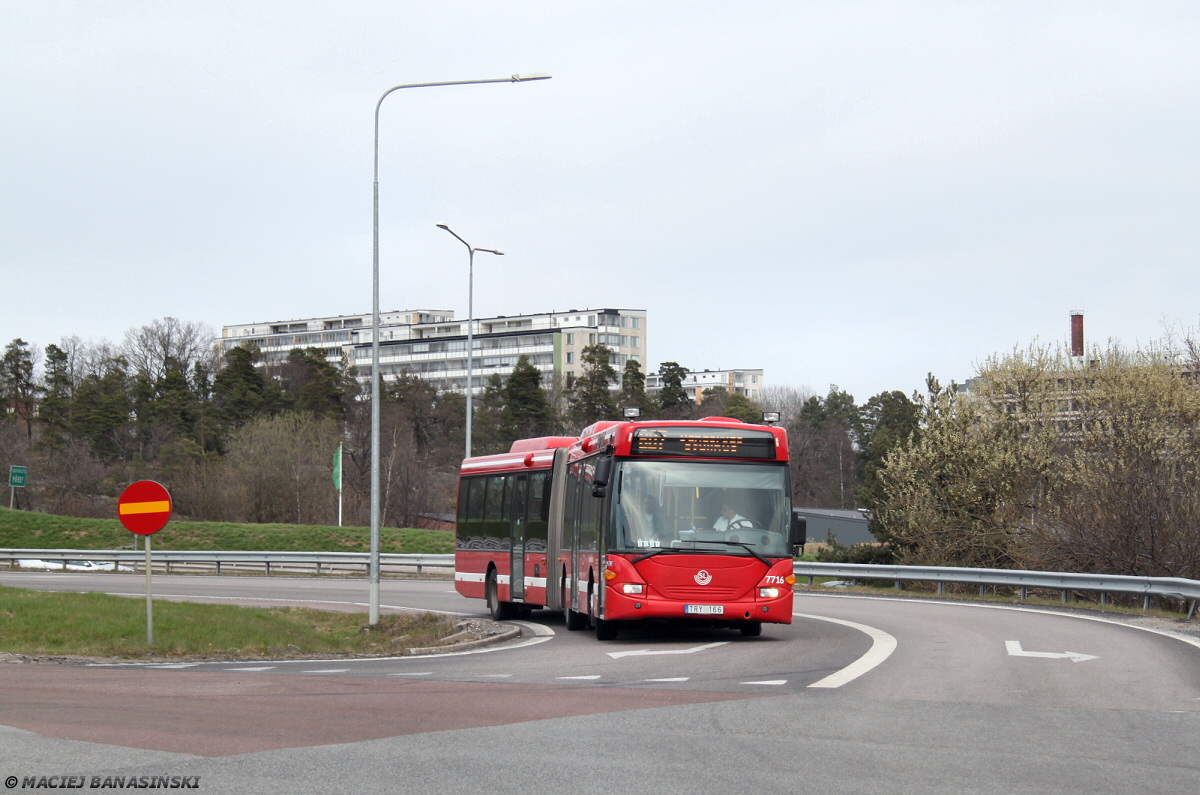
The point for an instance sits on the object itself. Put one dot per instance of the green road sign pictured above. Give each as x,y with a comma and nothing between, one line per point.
16,477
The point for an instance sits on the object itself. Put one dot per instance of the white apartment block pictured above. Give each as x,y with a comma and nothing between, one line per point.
432,344
736,382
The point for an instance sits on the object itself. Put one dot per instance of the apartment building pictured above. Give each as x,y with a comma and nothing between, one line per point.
736,382
432,343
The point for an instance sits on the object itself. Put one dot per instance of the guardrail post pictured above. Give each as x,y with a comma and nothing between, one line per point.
1064,597
982,591
1024,593
267,563
1146,603
218,567
941,588
318,568
1192,611
1104,598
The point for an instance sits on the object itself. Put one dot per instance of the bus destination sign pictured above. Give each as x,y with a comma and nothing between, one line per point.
704,443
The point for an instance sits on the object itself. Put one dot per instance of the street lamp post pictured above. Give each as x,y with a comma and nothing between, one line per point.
470,322
375,488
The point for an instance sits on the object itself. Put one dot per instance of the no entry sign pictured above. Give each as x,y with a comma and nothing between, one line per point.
144,507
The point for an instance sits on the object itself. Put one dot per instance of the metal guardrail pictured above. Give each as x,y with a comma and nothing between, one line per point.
328,562
1063,582
322,562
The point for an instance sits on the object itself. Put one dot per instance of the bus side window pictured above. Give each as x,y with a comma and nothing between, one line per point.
494,507
474,510
539,512
495,524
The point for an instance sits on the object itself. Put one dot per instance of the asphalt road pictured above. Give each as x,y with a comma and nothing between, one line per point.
857,695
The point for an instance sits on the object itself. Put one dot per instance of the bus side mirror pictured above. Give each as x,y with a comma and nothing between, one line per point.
601,475
799,533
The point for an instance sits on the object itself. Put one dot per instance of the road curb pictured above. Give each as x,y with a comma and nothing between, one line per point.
510,634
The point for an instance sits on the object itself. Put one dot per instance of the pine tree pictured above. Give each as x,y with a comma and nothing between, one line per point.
17,387
633,389
527,411
591,399
672,398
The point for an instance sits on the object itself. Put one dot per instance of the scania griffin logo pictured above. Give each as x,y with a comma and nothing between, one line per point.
703,577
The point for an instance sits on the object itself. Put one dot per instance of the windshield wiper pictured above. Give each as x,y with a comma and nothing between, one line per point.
741,544
659,552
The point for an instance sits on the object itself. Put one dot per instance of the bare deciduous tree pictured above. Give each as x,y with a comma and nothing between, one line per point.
152,348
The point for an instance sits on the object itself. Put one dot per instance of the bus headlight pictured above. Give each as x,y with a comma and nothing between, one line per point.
768,593
632,587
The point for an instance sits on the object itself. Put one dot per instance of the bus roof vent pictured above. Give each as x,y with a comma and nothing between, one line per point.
541,443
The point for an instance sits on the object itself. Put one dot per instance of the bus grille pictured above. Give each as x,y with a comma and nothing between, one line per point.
707,593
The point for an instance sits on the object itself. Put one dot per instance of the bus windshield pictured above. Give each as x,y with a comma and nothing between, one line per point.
737,509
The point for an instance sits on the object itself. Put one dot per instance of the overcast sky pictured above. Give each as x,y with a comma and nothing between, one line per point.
850,193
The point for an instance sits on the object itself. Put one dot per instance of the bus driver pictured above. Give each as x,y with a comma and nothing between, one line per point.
730,518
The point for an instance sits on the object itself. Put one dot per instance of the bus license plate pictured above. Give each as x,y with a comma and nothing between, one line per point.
704,610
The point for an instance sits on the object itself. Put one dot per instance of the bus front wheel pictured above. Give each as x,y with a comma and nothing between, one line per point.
605,629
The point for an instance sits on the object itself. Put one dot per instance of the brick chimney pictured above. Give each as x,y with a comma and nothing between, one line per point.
1077,332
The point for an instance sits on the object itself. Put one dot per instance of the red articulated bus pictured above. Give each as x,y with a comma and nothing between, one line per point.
631,521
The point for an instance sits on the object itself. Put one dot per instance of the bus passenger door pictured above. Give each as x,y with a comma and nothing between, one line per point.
518,524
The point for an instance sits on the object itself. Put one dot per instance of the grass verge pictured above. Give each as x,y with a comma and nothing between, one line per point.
40,623
30,530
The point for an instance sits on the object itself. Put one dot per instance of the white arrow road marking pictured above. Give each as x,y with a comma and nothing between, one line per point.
616,654
1015,650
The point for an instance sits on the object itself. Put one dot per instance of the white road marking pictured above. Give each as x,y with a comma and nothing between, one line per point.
768,682
497,676
671,679
327,671
253,670
1014,650
882,646
173,665
617,654
588,678
415,673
